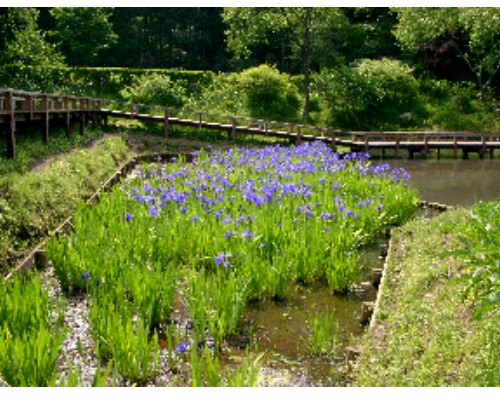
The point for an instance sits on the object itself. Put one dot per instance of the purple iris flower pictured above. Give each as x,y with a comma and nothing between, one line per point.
153,211
247,234
85,276
221,259
128,216
181,347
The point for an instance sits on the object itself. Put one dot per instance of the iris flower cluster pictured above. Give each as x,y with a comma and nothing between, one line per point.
228,186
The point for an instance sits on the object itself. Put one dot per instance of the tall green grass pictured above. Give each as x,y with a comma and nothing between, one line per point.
31,332
233,227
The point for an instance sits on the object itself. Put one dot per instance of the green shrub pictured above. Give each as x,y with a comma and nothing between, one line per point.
155,89
458,107
269,94
375,94
222,95
95,82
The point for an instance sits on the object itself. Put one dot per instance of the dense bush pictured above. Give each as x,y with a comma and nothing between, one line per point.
458,107
223,95
375,94
97,82
155,89
269,94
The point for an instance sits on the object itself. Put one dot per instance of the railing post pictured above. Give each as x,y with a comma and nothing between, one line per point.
28,105
82,115
93,113
332,136
200,120
367,148
455,146
10,105
483,150
397,146
67,117
298,141
233,128
45,118
166,123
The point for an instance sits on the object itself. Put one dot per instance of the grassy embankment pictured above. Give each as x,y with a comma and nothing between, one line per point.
438,319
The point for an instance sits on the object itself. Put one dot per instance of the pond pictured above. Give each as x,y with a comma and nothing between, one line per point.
451,182
454,182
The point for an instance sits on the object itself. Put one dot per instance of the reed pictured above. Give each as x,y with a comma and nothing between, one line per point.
31,332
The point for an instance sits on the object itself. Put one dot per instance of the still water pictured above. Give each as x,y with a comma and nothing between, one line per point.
281,327
454,182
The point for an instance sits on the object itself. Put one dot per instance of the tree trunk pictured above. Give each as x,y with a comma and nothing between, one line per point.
306,62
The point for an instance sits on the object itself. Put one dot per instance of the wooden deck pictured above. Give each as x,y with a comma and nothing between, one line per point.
21,108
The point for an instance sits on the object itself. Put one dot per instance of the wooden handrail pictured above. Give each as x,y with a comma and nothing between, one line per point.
51,102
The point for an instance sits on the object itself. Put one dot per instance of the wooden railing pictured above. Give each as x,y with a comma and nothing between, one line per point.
21,106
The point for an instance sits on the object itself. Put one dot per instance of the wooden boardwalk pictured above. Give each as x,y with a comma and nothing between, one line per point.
21,108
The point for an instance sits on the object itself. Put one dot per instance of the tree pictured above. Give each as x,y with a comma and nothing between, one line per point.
83,33
374,94
294,33
23,43
168,37
473,33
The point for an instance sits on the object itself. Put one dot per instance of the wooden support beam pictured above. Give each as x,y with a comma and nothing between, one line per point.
483,146
298,141
67,117
166,123
233,128
82,122
11,139
45,118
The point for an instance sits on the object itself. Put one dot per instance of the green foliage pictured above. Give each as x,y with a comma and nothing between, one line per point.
35,203
430,336
222,95
480,238
457,107
323,334
123,338
156,90
286,36
474,34
375,94
269,94
206,370
96,82
25,44
83,33
247,373
30,342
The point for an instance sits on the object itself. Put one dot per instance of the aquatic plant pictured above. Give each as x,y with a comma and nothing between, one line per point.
323,335
231,227
31,332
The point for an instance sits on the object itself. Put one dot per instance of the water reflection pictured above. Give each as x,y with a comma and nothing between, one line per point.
454,182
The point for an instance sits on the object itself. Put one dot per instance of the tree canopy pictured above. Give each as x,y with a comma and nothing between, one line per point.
472,33
455,44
